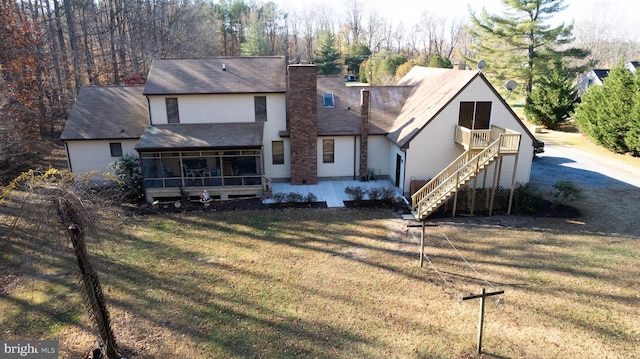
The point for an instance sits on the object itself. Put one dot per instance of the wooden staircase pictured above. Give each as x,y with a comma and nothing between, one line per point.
463,169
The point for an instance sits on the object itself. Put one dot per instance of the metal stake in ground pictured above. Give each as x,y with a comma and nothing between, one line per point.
481,316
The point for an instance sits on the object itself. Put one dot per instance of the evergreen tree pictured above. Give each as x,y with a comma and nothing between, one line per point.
256,41
440,61
552,99
519,45
605,113
326,55
355,55
632,139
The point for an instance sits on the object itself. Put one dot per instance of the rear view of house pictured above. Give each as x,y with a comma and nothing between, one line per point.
234,125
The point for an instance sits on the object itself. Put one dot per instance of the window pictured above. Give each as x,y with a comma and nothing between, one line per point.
172,110
327,151
260,105
116,149
475,115
277,148
329,101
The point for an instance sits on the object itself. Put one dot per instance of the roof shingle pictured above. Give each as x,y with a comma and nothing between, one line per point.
220,75
107,112
201,135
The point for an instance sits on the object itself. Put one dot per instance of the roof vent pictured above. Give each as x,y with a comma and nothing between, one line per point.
224,67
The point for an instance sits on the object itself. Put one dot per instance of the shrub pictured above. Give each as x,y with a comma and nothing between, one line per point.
294,197
526,198
279,197
387,194
374,193
129,177
356,193
311,197
565,192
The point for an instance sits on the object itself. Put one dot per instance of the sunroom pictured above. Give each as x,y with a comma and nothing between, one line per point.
179,160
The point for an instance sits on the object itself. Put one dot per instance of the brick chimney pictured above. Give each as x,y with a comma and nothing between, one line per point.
303,123
364,133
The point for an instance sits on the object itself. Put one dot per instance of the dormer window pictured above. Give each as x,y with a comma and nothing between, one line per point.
329,101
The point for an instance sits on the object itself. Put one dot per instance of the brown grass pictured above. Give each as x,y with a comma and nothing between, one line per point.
333,283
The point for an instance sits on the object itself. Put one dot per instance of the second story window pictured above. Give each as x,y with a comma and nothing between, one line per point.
329,101
475,115
260,104
172,110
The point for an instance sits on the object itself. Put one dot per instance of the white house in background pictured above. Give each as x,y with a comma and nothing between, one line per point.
594,77
233,125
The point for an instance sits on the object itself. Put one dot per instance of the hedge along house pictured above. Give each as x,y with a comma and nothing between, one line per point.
234,125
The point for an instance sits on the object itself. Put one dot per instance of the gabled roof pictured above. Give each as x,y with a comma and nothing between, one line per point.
220,75
433,89
601,74
344,118
107,112
201,135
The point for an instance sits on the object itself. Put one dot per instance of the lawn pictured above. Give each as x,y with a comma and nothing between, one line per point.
329,283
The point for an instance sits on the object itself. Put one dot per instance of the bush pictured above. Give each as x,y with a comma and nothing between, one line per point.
374,193
356,193
279,197
387,194
311,197
526,198
295,197
129,177
565,192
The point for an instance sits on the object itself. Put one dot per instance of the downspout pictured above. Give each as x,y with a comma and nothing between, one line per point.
355,150
365,112
66,147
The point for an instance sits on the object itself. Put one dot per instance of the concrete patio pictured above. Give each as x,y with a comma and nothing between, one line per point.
331,192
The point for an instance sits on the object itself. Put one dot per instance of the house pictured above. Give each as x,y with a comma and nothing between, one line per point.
233,125
105,123
593,77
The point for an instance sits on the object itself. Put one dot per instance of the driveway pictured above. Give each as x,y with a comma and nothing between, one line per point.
587,166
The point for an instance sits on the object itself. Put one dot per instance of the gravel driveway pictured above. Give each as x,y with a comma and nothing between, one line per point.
587,170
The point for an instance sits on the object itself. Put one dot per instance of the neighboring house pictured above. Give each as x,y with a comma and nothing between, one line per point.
593,77
632,66
234,125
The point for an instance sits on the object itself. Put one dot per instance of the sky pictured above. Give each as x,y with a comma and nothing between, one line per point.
623,15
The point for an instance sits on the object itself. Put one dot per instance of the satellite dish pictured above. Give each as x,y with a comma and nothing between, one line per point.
510,85
482,64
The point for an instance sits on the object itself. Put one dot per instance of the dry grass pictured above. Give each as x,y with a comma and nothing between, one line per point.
340,283
333,283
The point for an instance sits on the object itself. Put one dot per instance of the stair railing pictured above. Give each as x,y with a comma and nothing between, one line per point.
457,173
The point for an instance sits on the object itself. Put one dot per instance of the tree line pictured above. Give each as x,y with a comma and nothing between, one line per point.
53,47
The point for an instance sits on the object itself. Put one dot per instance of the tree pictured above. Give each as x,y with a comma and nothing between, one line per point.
256,41
605,112
354,56
633,136
21,98
56,204
439,61
520,44
552,99
326,55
